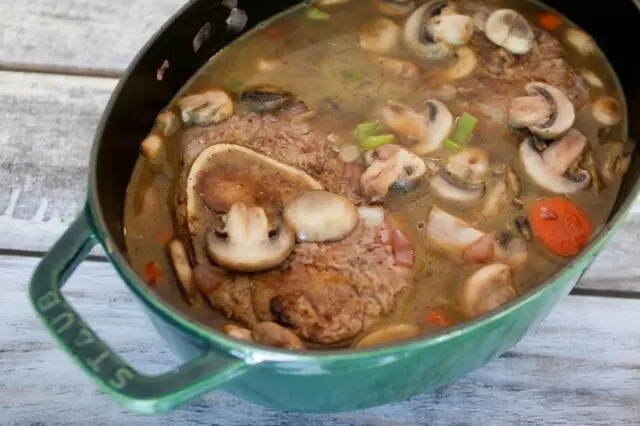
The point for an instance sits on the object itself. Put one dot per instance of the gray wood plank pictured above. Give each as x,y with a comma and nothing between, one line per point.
78,35
57,116
581,366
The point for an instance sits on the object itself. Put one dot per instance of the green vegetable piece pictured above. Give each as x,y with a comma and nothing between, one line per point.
465,126
317,15
451,145
364,130
354,75
234,85
373,142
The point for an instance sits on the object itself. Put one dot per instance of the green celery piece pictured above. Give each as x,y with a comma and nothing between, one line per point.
364,130
354,75
373,142
317,15
451,145
465,126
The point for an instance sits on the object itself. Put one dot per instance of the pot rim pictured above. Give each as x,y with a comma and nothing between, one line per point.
254,353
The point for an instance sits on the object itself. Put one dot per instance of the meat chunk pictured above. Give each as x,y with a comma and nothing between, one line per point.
501,76
325,293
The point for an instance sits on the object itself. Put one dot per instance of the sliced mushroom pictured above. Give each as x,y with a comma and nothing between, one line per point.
591,78
508,29
560,155
425,132
320,216
449,233
184,272
152,147
607,111
246,244
617,160
451,188
237,332
388,334
529,111
581,41
272,334
515,187
487,289
524,227
167,122
388,166
210,107
511,250
469,164
547,170
265,98
563,112
592,167
417,37
395,8
380,35
397,67
465,64
496,200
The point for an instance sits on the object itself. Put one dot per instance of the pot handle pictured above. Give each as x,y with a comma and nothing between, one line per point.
133,390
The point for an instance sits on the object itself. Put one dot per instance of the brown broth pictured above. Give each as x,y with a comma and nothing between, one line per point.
321,62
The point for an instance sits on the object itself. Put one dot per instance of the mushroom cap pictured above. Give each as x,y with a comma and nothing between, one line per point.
247,245
388,166
209,107
417,37
465,64
380,35
487,289
545,176
607,111
470,164
508,29
265,98
451,188
453,29
224,174
321,216
563,116
388,334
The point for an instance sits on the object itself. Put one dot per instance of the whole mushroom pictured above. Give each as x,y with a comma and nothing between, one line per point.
510,30
247,244
487,289
418,38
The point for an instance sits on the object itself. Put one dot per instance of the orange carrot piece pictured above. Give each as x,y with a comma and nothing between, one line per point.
152,273
560,225
439,319
550,21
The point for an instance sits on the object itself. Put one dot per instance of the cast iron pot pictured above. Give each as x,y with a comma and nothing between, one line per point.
312,381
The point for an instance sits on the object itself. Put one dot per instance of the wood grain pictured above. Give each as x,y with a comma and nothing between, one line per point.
78,35
582,366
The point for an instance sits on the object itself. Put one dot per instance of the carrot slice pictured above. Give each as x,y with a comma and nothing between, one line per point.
439,319
550,21
152,273
560,225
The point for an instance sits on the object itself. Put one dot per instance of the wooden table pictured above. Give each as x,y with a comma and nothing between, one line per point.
59,62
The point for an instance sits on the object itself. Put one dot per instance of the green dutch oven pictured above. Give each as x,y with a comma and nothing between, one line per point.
304,382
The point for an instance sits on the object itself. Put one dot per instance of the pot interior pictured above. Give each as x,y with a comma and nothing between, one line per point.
169,61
